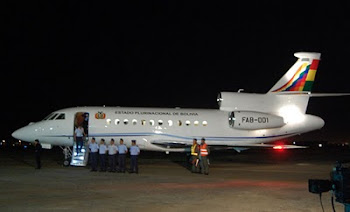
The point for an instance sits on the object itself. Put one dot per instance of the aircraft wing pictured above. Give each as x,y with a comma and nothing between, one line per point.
282,146
240,148
172,146
175,145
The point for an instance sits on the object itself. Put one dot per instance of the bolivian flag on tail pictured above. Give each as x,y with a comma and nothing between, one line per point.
303,78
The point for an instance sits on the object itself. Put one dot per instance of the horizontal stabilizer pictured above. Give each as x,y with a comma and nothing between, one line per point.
328,94
314,94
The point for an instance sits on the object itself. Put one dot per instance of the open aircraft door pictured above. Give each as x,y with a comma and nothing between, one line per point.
80,153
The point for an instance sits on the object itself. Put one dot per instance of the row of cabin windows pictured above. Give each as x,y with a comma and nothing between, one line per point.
153,122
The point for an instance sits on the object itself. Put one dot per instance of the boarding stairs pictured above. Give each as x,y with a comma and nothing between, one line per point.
81,158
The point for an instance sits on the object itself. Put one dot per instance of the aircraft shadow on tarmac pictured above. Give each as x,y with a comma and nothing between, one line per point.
54,156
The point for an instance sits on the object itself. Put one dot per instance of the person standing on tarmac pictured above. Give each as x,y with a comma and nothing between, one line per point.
204,152
93,146
38,149
194,156
112,151
134,152
102,158
122,150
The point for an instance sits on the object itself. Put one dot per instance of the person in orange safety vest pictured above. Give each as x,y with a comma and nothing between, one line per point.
204,152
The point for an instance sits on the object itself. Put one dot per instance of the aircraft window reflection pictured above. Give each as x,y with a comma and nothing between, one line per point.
126,121
151,122
53,117
170,123
134,121
109,121
61,116
143,122
47,117
196,123
205,123
160,122
188,123
116,122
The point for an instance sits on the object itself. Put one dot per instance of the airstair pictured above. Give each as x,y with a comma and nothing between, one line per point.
81,158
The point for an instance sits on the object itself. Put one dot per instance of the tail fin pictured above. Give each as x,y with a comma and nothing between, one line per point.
300,77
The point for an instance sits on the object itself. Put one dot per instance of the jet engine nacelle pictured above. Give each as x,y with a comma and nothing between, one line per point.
250,120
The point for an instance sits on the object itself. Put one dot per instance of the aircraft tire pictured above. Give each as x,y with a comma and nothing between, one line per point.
66,163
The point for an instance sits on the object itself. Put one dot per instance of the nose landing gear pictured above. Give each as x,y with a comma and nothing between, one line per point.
67,151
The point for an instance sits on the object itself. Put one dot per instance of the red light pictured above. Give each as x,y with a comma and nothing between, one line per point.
278,147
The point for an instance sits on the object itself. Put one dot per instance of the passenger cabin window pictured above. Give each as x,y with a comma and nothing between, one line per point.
61,116
143,122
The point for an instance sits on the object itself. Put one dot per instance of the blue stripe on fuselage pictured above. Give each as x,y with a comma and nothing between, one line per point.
173,136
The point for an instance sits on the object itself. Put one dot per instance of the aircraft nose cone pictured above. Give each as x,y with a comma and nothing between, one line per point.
16,134
321,123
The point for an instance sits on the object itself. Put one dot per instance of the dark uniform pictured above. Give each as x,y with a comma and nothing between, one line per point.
102,155
122,150
112,151
134,152
37,154
93,146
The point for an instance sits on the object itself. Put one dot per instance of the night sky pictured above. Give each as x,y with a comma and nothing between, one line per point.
166,54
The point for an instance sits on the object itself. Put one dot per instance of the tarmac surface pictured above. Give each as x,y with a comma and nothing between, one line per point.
249,181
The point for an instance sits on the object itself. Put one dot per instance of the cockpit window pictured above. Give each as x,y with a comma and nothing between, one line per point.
61,116
53,117
47,117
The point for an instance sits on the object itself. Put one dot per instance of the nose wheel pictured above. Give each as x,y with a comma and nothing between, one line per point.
67,151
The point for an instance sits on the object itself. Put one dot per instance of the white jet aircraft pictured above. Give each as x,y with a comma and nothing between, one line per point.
243,120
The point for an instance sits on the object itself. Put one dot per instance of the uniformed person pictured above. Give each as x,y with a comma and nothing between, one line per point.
79,138
93,146
195,157
204,152
102,155
38,149
112,151
134,152
122,150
